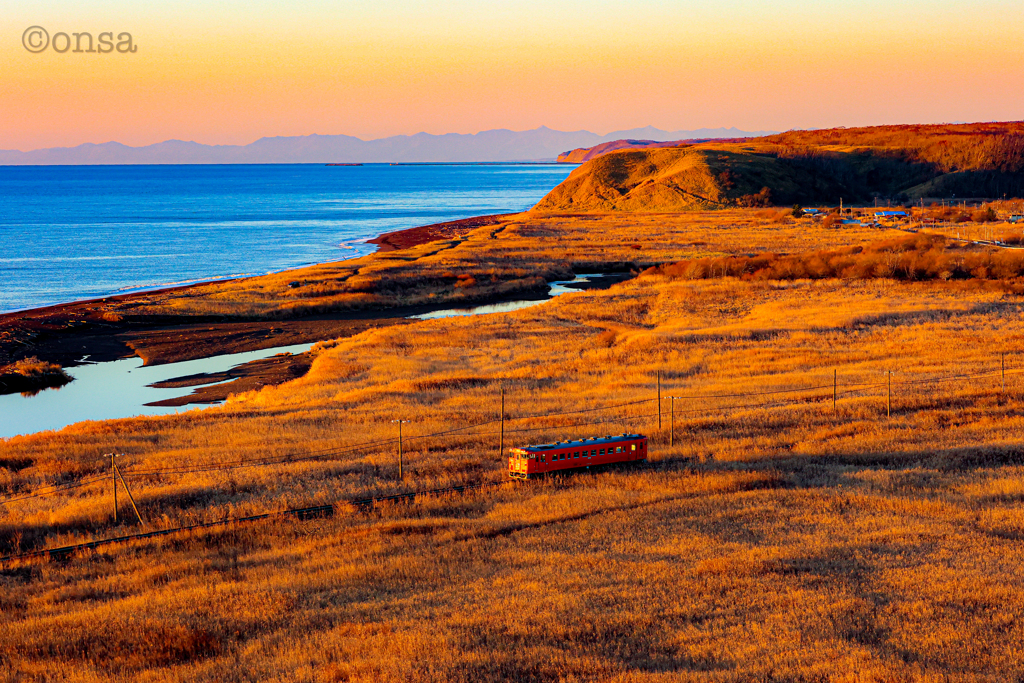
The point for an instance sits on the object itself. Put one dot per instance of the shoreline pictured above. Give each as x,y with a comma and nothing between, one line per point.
424,234
69,332
385,242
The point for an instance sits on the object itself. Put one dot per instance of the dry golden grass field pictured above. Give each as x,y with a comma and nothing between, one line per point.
780,537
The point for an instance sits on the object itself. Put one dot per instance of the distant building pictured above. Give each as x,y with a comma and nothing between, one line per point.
892,214
1017,219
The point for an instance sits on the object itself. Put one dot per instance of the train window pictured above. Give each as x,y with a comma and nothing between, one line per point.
618,449
561,456
602,451
593,452
576,454
634,447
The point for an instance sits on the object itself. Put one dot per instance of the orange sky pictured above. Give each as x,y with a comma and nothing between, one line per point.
242,70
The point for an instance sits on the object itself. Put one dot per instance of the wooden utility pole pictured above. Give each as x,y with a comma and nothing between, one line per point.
130,496
401,469
672,420
501,438
659,400
888,398
113,480
835,383
672,423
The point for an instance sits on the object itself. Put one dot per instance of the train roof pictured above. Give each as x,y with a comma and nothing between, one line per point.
581,442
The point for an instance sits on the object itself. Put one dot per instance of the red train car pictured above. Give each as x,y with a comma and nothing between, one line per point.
531,461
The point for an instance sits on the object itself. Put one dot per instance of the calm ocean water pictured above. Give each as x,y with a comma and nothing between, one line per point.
78,232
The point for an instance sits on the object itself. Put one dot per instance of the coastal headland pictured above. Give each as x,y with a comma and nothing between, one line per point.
833,402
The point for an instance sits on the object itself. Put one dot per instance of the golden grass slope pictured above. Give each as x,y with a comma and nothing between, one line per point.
807,167
995,146
713,175
776,540
647,180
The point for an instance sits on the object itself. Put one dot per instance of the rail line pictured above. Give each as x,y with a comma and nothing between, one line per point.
312,512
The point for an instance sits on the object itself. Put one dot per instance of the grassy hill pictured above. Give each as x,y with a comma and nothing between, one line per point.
807,167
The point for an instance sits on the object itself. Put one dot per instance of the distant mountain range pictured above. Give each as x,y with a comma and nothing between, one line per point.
540,144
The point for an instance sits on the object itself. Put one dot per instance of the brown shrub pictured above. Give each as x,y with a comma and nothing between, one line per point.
33,367
920,257
986,215
762,198
30,375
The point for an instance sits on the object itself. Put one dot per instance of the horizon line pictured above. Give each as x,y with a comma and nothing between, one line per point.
390,137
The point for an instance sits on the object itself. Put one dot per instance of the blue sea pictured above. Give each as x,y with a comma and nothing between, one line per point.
79,232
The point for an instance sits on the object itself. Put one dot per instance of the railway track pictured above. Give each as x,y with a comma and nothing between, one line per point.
67,552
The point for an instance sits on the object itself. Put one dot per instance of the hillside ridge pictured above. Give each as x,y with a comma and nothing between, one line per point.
904,163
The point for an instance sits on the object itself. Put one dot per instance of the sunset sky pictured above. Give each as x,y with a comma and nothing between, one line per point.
233,71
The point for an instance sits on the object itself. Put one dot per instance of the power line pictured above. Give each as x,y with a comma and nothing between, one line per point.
378,443
55,488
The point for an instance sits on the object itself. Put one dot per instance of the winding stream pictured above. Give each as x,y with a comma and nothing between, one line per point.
122,388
